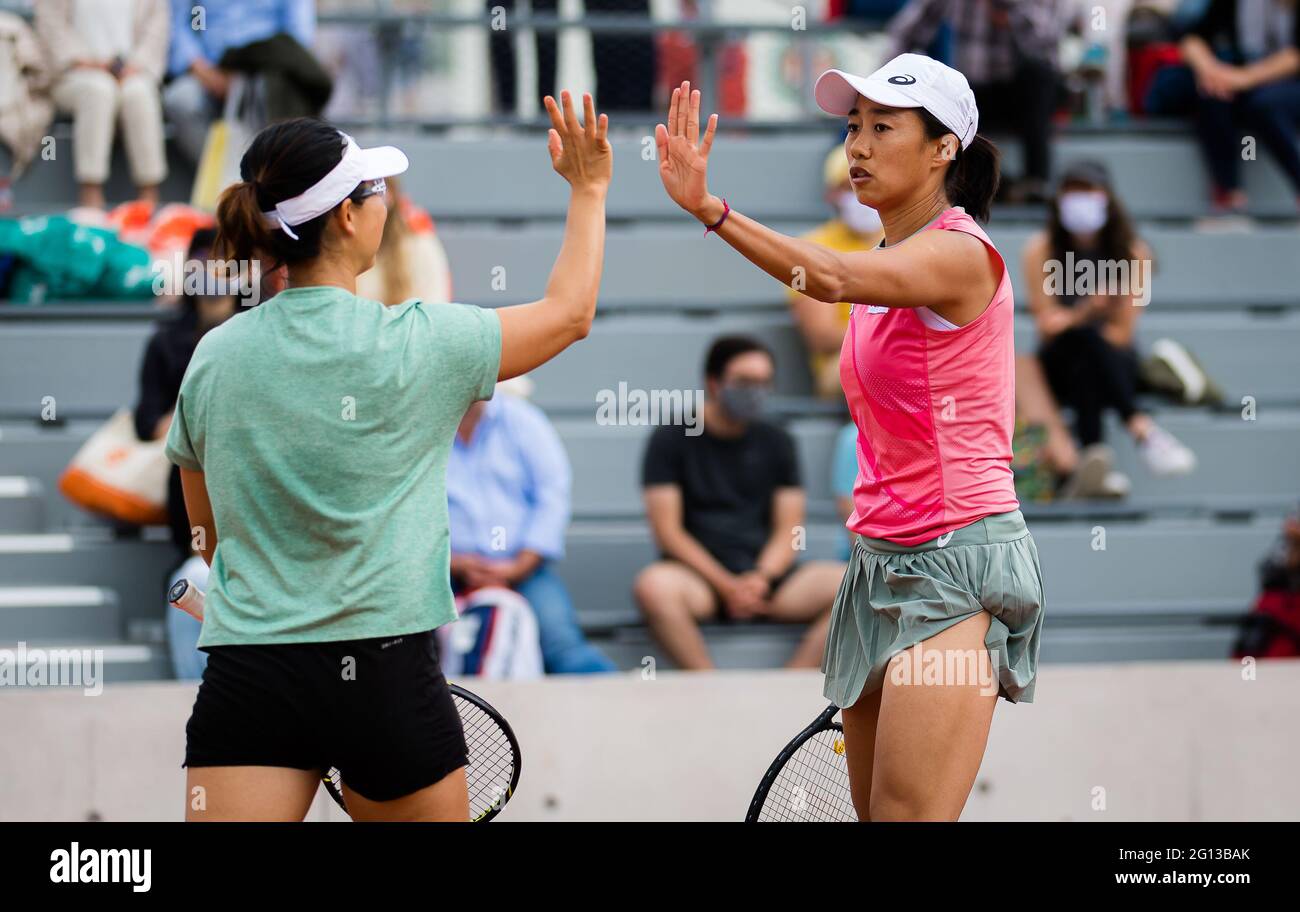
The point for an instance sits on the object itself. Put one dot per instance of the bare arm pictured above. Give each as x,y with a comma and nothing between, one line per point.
934,268
663,507
1197,54
199,509
1049,316
1121,311
534,333
1282,64
787,513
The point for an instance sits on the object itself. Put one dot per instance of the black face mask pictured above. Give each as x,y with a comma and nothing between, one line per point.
743,403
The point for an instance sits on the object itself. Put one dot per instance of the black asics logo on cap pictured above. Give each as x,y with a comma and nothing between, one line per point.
902,80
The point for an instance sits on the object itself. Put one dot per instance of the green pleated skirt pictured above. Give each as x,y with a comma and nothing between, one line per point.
894,596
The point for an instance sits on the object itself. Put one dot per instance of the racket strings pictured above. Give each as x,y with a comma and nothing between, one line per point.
491,758
813,785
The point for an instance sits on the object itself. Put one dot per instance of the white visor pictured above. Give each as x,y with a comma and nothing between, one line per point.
907,81
357,165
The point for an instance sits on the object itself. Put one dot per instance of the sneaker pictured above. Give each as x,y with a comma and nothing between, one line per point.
1115,485
1089,476
1164,454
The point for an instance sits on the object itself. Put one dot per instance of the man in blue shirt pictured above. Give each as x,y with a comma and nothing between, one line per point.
201,33
508,482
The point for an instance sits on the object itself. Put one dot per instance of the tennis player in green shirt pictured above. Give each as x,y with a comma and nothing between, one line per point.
312,433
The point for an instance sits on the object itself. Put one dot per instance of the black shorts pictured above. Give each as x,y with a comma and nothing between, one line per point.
378,709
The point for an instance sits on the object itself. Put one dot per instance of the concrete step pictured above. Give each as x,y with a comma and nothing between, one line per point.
83,663
1167,568
749,645
22,504
135,570
58,612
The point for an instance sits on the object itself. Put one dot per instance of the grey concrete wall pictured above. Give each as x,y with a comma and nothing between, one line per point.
1167,741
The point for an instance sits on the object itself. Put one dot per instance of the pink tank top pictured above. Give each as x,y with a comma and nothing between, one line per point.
935,411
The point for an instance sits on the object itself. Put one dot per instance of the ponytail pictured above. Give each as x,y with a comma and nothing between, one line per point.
282,161
242,232
973,177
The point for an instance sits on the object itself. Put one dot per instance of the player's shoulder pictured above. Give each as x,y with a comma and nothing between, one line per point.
443,316
227,335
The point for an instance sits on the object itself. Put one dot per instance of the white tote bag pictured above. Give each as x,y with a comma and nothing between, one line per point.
118,475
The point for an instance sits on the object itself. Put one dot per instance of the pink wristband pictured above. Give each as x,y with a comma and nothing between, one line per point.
726,211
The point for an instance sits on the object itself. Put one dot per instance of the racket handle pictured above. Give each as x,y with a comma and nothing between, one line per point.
187,597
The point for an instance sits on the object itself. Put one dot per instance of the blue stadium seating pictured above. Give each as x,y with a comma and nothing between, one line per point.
1181,554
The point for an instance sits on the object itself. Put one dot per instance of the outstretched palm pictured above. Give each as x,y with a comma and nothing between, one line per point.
580,152
683,155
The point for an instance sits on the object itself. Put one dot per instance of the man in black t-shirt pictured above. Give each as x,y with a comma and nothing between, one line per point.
727,510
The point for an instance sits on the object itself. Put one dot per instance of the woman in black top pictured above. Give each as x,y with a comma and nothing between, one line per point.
1245,56
166,357
1087,320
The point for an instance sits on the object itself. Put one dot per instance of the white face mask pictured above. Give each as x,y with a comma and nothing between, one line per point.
1083,211
860,219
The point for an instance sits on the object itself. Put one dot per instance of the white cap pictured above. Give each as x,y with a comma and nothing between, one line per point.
357,165
907,81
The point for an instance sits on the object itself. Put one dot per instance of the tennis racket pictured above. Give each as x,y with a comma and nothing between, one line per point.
492,772
809,780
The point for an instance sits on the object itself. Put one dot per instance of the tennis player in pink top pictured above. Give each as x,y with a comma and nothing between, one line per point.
941,609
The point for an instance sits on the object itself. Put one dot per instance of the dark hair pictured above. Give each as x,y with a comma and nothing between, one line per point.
283,160
973,177
725,348
1117,238
202,243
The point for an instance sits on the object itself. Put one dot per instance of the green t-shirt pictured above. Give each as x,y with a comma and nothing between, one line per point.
322,423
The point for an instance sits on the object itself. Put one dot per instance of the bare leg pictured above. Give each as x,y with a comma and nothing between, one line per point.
91,196
447,800
1036,405
674,599
930,738
252,793
1138,425
807,596
859,722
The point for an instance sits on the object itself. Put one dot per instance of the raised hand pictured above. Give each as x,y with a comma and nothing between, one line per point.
580,153
684,156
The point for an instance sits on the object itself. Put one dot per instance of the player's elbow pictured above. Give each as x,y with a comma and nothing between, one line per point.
830,283
581,327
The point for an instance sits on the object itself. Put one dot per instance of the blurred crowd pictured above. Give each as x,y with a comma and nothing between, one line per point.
1230,66
721,505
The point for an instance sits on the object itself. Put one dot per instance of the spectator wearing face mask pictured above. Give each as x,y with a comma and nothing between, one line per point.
853,227
726,509
1087,320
